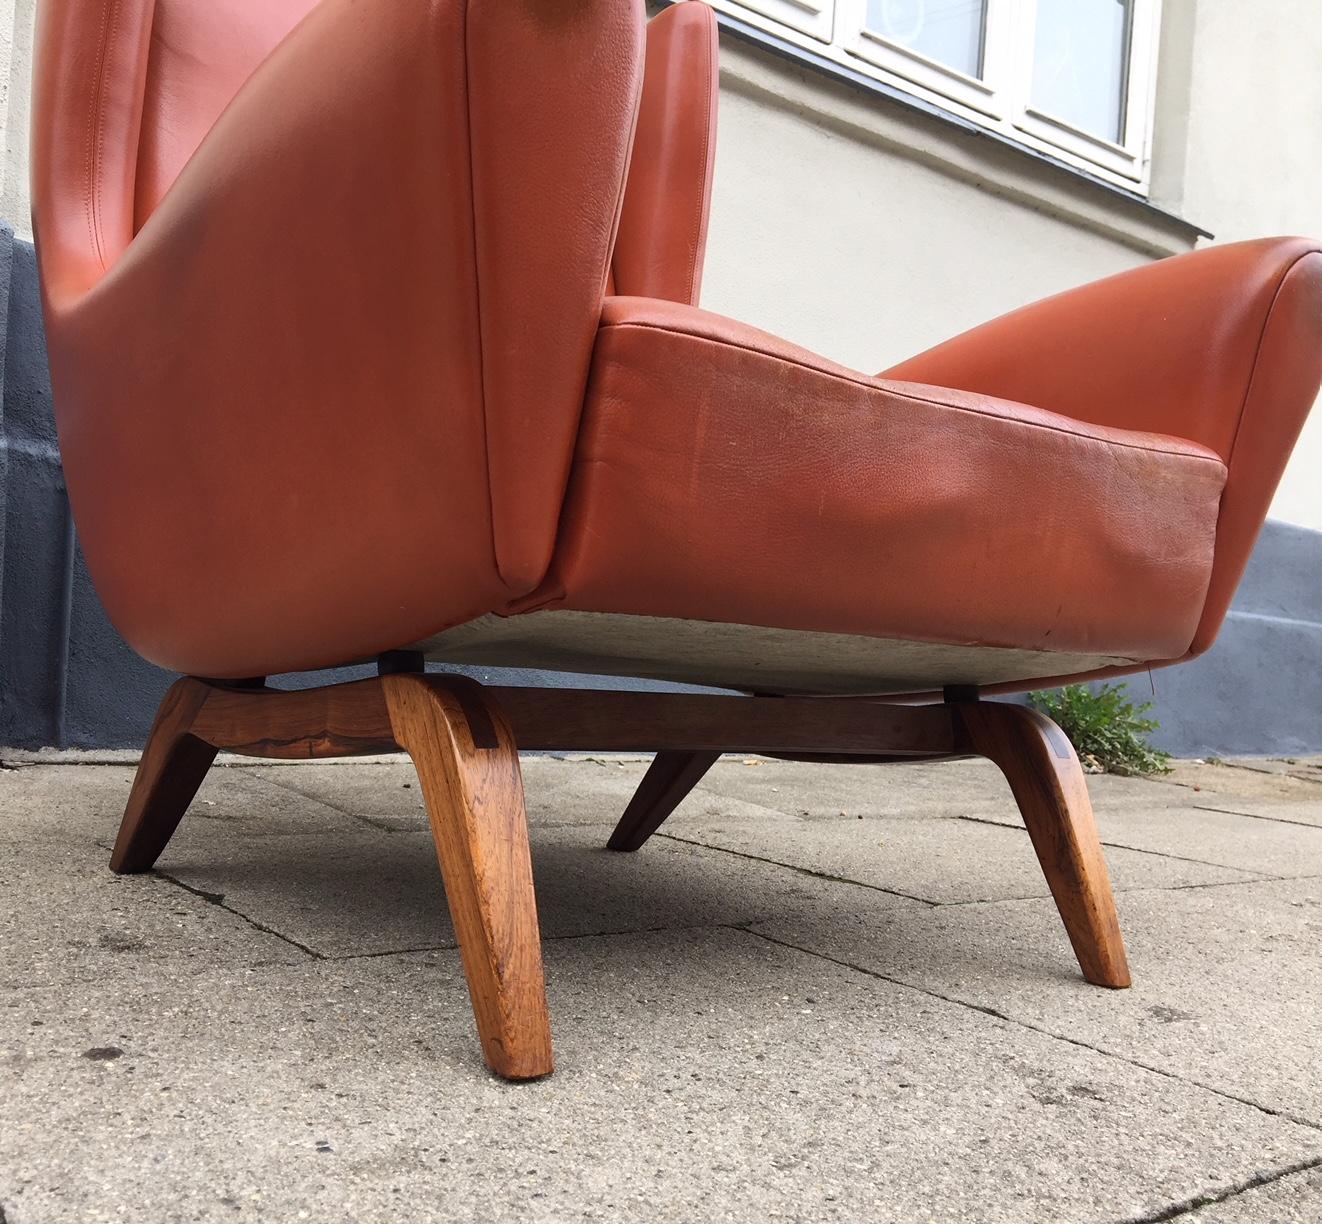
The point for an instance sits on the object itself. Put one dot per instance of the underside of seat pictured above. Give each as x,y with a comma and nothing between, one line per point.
750,658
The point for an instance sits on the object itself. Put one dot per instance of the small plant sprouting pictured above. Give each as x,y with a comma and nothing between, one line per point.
1109,732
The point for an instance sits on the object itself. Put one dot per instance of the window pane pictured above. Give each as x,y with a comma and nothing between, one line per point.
1080,63
948,31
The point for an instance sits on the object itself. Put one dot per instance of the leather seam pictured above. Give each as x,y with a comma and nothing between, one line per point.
699,235
1190,652
590,364
477,303
96,131
917,399
1257,350
621,192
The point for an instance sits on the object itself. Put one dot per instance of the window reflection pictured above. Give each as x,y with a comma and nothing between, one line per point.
948,31
1080,63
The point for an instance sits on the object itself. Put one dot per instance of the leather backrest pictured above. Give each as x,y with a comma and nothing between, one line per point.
201,52
156,74
124,92
663,224
90,63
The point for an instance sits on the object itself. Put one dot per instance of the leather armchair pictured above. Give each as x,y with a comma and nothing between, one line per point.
374,336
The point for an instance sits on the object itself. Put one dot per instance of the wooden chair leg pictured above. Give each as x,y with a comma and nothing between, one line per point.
172,767
668,779
1048,783
468,766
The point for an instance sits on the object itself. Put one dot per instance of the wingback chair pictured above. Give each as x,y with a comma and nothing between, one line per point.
374,335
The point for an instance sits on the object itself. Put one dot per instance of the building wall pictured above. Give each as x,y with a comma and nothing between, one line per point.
16,21
1251,164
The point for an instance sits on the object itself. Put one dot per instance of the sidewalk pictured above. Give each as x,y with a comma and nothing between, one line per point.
823,992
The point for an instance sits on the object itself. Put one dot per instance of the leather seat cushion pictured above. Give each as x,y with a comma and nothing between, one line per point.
724,475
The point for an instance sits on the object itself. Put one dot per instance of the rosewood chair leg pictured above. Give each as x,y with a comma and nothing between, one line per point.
668,779
469,770
172,767
1048,783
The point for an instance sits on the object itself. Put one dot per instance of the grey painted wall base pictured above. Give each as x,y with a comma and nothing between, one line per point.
1259,689
68,680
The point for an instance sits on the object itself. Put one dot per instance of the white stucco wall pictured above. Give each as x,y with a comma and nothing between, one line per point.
16,18
850,225
1253,161
861,250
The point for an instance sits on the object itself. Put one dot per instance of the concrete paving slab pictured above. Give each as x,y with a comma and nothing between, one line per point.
1297,812
702,1076
64,918
1243,781
387,796
1150,793
942,861
828,792
1227,980
1211,835
82,804
1294,1199
366,893
924,789
1307,767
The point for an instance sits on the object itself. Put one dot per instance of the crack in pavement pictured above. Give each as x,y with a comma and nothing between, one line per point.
1257,877
1256,1182
569,935
808,871
1138,888
218,900
264,780
1179,858
1036,1028
1304,824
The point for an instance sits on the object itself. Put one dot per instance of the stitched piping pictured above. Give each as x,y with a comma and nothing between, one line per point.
477,295
698,242
917,399
96,131
1234,441
1257,350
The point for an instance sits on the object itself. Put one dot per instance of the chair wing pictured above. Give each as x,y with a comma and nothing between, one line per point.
1218,347
663,225
346,352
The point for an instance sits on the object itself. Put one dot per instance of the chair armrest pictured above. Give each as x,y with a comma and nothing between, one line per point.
1222,347
341,365
663,225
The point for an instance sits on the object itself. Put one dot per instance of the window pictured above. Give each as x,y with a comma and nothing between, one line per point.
1073,78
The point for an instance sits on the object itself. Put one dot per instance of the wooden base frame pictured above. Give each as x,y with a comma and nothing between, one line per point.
464,739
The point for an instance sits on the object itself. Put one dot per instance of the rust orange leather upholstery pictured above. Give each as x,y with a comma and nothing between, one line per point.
336,369
663,227
327,398
199,56
1221,347
725,475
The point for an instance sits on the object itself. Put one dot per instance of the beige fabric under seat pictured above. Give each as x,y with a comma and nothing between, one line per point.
747,657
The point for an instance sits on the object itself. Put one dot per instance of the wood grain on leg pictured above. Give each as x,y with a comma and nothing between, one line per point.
668,779
469,769
1048,783
172,767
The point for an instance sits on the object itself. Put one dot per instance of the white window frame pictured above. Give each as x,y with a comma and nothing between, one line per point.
999,100
814,18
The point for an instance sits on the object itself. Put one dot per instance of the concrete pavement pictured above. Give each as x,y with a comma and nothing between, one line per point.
823,993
